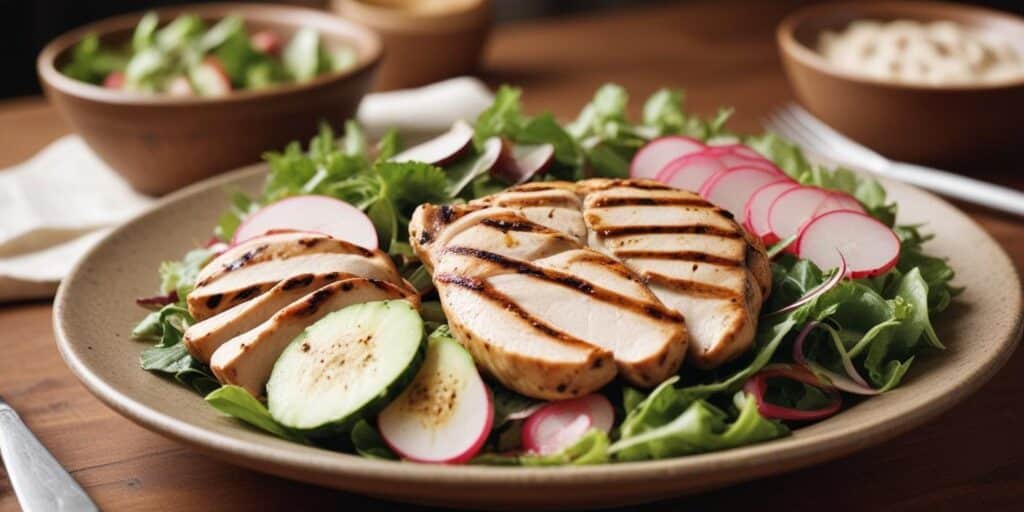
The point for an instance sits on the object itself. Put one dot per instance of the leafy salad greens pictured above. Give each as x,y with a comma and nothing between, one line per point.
878,325
186,57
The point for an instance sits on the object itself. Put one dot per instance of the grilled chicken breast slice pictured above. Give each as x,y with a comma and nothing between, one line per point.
694,257
251,268
247,360
539,311
205,337
555,208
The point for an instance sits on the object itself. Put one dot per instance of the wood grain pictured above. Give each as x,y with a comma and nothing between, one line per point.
723,54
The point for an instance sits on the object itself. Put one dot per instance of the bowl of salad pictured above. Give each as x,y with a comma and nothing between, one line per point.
175,95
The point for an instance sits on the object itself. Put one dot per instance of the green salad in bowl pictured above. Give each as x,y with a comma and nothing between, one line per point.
519,291
186,57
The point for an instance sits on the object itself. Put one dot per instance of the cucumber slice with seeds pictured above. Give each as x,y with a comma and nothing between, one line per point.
346,366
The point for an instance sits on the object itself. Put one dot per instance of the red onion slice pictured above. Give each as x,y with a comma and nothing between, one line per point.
852,382
758,384
817,291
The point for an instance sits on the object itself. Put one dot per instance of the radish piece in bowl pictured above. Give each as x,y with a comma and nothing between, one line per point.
755,212
651,158
445,414
441,149
318,214
732,188
868,246
793,208
558,425
690,172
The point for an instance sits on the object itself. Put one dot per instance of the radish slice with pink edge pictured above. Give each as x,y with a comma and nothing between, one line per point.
755,212
690,172
441,149
318,214
731,189
847,202
445,414
558,425
524,162
834,203
743,150
793,208
653,156
868,246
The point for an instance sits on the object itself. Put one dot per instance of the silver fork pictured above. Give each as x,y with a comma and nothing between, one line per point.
39,481
800,126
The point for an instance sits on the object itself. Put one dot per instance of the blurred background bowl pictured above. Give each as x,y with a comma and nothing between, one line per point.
160,143
949,125
424,40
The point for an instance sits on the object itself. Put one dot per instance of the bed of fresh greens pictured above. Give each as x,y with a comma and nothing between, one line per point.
187,58
861,336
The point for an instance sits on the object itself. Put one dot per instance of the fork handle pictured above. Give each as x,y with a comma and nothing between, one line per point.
39,481
957,186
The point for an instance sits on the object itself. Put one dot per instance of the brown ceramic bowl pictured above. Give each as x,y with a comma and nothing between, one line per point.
425,41
161,143
918,123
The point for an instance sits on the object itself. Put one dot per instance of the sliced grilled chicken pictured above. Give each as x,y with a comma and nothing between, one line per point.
694,257
205,337
557,208
247,360
251,268
540,312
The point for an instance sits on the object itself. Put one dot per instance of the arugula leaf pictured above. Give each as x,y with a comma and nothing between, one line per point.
591,448
238,403
181,275
169,355
504,118
368,443
700,427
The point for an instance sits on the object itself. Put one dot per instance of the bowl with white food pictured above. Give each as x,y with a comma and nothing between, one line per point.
923,82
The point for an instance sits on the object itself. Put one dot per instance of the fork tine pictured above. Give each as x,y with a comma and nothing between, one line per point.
837,142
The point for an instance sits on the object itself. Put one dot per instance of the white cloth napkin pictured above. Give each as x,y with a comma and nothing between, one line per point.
58,204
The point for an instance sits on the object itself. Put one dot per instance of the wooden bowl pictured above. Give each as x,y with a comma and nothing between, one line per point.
423,41
949,125
160,143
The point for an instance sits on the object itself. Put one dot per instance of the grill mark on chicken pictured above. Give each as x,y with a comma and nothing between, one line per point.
246,293
599,259
650,309
512,225
486,291
557,201
694,256
635,184
689,287
619,201
214,300
300,281
313,301
693,229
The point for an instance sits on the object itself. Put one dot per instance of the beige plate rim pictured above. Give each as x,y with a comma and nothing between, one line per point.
811,445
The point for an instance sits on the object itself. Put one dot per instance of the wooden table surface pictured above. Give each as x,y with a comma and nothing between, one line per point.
723,54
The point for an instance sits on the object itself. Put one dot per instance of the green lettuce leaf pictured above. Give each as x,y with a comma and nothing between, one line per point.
368,443
238,403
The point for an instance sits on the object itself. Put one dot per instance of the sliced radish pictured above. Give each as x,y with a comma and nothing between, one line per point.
755,212
868,246
792,209
210,79
445,414
732,188
442,149
690,172
557,425
526,161
846,202
742,150
115,80
650,159
319,214
267,41
180,86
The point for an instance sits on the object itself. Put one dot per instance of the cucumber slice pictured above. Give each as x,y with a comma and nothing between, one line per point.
302,54
445,415
345,366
